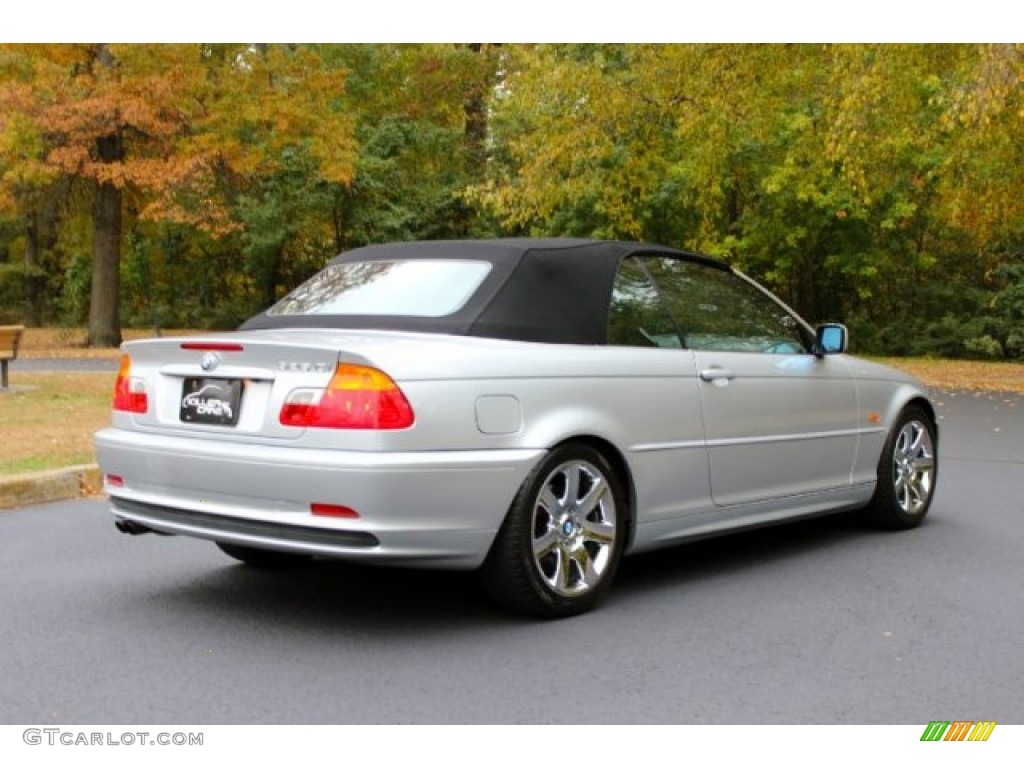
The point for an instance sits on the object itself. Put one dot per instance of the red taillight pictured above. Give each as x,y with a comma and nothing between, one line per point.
212,346
333,510
129,393
115,481
357,397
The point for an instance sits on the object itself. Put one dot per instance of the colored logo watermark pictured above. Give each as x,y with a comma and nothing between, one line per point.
958,730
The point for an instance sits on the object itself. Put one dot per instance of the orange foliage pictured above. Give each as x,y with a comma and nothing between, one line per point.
188,117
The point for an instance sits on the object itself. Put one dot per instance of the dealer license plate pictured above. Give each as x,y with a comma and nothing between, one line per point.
211,401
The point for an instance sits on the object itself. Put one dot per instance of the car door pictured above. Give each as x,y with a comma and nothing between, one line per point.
779,421
669,461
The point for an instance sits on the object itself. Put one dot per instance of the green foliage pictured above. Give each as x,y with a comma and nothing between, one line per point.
849,178
983,347
15,280
74,299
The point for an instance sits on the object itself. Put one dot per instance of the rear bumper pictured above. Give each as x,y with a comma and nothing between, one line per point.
439,509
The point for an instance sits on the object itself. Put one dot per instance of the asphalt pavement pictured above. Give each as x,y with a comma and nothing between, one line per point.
816,622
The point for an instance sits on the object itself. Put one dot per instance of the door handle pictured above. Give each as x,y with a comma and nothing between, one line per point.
717,376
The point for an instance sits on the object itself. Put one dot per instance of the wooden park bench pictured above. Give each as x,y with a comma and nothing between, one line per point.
10,338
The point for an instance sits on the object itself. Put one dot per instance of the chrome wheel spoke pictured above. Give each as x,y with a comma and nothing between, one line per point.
550,502
900,481
593,497
916,436
563,571
600,532
903,497
588,568
545,543
572,484
919,487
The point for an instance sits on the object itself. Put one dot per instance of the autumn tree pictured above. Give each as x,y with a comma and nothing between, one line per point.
419,124
158,131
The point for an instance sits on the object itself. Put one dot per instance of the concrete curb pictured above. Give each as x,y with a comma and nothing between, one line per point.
50,485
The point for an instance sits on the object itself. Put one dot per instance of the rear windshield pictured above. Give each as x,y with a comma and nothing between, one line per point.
414,288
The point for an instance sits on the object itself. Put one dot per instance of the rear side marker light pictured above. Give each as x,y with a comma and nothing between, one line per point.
212,346
115,481
333,510
357,397
129,392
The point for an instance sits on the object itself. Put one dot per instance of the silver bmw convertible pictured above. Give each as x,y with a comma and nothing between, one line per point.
531,408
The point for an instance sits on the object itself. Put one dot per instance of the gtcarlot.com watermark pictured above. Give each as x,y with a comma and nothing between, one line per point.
57,736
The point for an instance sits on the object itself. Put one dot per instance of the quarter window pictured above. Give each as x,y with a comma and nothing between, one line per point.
638,316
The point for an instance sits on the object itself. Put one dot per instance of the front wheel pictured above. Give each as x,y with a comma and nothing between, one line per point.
907,471
560,545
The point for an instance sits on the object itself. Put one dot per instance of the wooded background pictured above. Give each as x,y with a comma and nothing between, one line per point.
192,185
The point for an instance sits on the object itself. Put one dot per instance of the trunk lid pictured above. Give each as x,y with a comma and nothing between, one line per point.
231,386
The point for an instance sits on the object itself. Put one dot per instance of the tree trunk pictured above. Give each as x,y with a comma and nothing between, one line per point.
33,310
104,317
41,225
475,110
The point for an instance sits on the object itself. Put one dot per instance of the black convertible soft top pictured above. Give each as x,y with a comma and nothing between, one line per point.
550,290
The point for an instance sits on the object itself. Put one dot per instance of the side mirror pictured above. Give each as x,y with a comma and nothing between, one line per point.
831,339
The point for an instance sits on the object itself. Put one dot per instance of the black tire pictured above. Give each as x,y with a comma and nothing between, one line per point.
563,537
265,559
907,471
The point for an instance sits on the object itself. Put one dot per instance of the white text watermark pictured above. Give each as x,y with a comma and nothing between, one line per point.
58,736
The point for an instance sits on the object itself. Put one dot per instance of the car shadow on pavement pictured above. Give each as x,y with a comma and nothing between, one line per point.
750,550
333,595
337,596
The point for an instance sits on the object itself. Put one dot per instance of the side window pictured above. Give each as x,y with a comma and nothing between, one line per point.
638,316
718,310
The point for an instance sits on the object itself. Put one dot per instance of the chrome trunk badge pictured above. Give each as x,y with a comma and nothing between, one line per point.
210,361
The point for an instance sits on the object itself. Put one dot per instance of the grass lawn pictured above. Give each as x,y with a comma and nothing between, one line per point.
962,374
49,418
72,343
